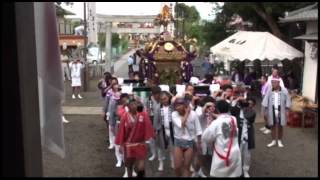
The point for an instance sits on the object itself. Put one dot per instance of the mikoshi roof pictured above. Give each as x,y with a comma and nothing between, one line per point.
250,45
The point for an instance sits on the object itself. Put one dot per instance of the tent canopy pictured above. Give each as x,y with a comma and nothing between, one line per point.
249,45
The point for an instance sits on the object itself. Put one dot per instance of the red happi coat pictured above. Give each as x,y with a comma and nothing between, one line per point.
132,135
121,111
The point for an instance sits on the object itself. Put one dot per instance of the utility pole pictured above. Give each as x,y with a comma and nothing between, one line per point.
85,74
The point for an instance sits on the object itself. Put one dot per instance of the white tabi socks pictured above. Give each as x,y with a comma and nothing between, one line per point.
118,156
273,143
152,146
160,165
134,174
201,174
280,143
111,138
64,119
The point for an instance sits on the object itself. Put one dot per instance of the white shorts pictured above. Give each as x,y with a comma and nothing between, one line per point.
75,82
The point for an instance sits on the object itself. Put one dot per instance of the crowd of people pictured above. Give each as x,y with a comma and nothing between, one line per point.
194,128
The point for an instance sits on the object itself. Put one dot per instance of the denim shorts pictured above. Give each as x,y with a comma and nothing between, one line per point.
183,143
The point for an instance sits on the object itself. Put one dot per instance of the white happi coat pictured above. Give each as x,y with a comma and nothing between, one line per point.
285,103
75,74
215,133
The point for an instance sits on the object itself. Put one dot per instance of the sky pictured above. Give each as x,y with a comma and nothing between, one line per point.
136,8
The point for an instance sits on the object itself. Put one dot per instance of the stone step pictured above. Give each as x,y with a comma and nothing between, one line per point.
76,110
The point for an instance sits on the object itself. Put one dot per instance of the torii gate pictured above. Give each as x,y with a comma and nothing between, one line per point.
107,21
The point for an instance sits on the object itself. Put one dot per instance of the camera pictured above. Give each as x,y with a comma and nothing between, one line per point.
244,104
188,97
140,108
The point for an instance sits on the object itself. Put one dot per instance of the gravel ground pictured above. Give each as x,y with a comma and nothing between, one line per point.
87,154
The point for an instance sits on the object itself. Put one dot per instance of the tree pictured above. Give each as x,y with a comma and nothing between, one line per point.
115,40
213,33
186,17
264,15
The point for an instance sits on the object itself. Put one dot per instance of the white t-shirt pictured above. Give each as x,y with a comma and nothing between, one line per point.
276,103
166,122
237,77
192,128
75,69
244,134
215,134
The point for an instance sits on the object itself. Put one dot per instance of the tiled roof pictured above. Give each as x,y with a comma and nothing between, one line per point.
309,13
313,36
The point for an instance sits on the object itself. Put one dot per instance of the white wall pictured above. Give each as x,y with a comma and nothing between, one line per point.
310,67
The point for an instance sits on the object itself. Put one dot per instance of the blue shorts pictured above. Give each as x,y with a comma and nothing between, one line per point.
185,144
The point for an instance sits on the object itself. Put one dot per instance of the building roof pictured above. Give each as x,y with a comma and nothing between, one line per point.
62,12
312,36
309,13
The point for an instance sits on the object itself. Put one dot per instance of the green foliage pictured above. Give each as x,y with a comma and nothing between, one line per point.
102,39
124,43
186,17
115,41
248,13
214,32
189,14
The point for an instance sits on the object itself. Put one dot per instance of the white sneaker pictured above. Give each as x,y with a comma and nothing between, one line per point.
267,131
273,143
152,157
263,128
111,146
64,120
246,174
118,164
280,144
201,174
73,96
134,174
160,166
79,96
125,173
172,164
191,169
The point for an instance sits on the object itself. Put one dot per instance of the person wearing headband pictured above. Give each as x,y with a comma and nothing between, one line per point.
275,74
276,104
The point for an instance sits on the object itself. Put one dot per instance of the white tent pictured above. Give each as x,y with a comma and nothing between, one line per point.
248,45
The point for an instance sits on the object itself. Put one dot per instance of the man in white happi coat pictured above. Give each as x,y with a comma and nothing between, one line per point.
223,133
75,68
276,103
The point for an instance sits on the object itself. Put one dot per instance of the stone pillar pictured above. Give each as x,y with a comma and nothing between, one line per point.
108,47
